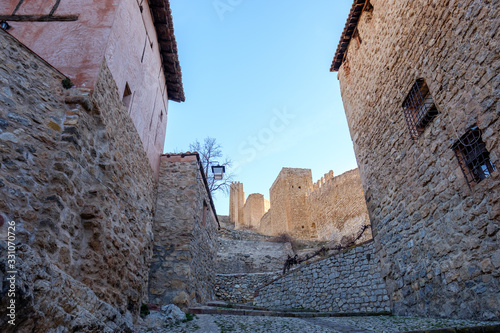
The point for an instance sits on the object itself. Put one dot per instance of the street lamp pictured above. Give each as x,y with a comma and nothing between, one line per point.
218,171
4,25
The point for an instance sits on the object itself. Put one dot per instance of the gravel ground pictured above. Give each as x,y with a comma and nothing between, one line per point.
251,324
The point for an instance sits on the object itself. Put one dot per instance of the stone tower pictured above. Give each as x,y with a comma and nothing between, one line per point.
236,202
255,207
288,197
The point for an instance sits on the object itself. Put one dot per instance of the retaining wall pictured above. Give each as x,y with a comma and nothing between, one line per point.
348,282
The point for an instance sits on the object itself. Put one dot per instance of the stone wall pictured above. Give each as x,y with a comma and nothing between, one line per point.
77,182
240,288
225,222
337,207
236,203
118,32
185,244
251,256
288,199
349,282
330,209
255,207
245,261
437,237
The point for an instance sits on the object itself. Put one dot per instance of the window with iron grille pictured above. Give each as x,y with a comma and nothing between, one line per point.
419,108
473,157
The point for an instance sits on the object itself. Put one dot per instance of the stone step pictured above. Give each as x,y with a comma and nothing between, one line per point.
222,304
222,308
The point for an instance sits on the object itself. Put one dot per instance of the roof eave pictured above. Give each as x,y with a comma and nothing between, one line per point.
162,19
345,39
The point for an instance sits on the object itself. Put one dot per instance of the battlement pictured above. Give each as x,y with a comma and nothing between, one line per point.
329,180
329,208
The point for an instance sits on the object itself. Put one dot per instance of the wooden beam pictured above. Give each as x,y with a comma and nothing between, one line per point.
39,18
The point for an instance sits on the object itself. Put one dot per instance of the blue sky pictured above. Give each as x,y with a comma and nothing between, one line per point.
256,77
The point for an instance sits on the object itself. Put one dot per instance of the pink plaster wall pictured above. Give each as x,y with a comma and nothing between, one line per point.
75,48
116,30
133,57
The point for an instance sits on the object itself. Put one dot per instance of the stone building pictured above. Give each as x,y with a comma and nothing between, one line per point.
420,86
329,209
185,248
133,39
77,168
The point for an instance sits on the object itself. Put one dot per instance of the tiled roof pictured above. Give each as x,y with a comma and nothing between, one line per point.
162,17
350,26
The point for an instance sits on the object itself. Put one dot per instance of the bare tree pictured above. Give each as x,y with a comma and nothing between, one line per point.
211,154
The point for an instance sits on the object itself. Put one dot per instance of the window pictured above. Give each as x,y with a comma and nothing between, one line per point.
419,108
205,209
473,157
368,6
357,37
127,96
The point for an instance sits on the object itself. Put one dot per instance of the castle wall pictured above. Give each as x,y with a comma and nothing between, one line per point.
337,207
117,31
437,238
185,240
288,197
349,282
266,227
254,209
76,182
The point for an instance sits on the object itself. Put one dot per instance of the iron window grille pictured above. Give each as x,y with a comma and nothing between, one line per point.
473,157
419,108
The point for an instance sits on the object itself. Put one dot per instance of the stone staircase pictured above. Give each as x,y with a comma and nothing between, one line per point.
224,308
246,260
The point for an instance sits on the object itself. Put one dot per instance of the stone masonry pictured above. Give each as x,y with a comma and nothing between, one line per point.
236,203
436,233
246,261
348,282
337,207
77,183
288,199
255,207
185,239
330,209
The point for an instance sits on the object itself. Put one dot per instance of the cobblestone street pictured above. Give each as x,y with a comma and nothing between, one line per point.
378,324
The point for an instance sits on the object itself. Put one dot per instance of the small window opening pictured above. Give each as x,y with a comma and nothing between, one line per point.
205,209
419,108
302,227
346,66
161,116
127,96
368,6
473,157
357,37
300,187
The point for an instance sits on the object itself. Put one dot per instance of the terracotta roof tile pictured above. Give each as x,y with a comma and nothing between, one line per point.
162,17
350,26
